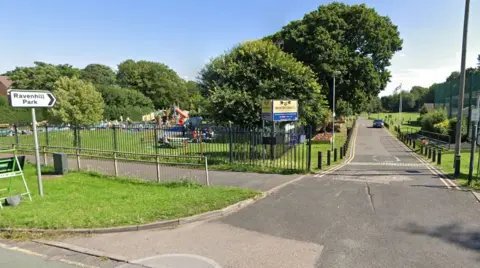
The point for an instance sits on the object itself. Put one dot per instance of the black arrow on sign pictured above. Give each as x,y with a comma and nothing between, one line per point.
52,99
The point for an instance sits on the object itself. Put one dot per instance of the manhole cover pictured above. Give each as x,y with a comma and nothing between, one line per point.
173,261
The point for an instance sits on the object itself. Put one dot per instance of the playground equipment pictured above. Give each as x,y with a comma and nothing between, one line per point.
10,168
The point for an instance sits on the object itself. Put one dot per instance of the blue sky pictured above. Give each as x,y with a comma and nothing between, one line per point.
185,34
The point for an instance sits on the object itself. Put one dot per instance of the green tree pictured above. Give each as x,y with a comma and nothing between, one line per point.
239,81
155,80
98,74
196,102
78,102
352,39
343,108
41,76
125,102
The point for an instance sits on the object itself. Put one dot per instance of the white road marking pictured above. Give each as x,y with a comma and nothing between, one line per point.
347,161
386,164
447,182
32,253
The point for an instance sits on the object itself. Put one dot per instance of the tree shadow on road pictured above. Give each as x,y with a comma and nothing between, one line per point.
453,233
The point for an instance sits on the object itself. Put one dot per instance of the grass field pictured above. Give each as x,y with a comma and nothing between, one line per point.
394,119
89,200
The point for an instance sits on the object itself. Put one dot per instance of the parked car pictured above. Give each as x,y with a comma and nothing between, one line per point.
378,123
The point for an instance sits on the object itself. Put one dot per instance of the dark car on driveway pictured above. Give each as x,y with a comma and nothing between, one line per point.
378,123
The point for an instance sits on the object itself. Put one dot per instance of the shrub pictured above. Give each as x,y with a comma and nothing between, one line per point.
423,111
453,128
429,120
442,127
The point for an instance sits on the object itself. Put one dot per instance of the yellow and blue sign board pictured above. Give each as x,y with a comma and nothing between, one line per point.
280,110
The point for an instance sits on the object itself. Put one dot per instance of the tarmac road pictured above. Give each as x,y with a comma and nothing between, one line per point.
383,209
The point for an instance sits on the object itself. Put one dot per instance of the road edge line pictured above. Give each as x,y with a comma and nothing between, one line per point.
441,176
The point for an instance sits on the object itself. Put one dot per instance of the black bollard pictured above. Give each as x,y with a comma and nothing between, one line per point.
429,153
335,153
414,144
421,149
341,152
439,157
434,155
319,160
328,158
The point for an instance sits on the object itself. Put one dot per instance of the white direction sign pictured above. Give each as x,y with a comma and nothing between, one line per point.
475,115
31,98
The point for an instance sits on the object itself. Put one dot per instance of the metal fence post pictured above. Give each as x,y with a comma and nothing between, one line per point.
328,158
115,138
77,153
309,152
230,145
79,136
45,161
47,136
115,164
15,130
206,172
319,159
157,165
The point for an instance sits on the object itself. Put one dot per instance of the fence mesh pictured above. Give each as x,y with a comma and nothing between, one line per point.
446,94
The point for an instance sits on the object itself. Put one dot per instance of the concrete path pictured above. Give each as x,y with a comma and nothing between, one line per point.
16,259
383,209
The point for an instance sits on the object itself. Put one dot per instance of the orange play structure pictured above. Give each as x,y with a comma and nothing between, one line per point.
183,114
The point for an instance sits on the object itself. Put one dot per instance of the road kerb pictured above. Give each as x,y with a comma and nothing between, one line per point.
87,251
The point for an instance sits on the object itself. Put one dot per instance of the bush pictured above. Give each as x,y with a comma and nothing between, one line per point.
442,127
429,120
453,128
423,111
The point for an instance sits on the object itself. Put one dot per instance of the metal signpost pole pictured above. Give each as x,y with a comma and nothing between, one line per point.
458,138
474,117
32,99
37,153
333,114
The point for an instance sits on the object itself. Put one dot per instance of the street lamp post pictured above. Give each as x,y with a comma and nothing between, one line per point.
333,110
458,138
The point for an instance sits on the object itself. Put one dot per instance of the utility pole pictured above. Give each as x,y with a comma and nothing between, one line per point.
333,110
397,89
458,138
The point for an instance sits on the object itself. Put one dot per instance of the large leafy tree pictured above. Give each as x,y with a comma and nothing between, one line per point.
239,81
98,74
78,102
41,76
125,102
351,39
155,80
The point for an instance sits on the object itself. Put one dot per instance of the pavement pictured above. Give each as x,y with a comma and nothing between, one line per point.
11,258
383,208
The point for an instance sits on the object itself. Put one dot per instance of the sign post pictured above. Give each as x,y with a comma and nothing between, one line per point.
474,118
32,99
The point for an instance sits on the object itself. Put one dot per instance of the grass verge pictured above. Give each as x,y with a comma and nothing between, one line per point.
90,200
446,165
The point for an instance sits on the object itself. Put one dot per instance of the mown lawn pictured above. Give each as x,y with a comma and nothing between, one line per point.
89,200
446,165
